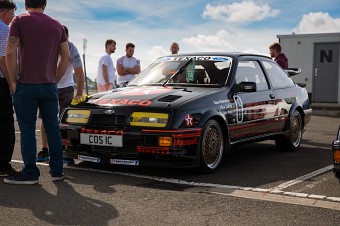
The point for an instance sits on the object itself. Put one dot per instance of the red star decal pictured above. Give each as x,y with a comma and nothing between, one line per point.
189,120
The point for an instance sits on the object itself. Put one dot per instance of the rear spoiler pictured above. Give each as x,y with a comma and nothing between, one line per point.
293,71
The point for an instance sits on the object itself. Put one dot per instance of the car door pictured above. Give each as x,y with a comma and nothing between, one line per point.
255,111
285,91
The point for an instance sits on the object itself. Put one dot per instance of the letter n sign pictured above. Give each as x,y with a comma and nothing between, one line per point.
328,56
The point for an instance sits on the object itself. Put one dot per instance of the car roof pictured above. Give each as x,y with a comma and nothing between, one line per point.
229,54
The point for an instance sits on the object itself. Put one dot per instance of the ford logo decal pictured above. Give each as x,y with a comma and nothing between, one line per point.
110,112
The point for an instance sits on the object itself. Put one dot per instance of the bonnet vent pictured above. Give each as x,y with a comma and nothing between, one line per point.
169,98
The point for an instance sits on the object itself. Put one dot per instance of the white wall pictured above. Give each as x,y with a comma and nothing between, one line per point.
299,50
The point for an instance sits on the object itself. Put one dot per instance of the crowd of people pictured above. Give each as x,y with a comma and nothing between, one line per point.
44,82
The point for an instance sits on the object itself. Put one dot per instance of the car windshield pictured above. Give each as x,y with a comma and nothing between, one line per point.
200,71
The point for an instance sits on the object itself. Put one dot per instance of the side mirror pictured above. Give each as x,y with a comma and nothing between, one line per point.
293,71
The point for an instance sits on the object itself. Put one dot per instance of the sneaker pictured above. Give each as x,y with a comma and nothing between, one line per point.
20,178
62,177
8,172
42,155
68,161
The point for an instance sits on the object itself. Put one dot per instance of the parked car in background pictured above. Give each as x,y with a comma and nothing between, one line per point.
336,155
188,110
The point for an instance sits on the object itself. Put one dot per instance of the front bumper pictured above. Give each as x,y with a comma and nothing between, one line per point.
140,146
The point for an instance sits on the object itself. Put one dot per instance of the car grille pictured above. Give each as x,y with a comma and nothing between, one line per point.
108,120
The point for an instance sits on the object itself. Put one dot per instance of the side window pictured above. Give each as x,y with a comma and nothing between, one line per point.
250,71
277,76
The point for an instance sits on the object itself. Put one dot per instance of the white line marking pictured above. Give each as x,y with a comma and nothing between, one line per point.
302,178
236,191
333,199
18,132
317,196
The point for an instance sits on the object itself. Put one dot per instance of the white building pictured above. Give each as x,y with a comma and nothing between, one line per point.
318,57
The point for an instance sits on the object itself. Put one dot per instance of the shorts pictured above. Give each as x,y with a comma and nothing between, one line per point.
65,96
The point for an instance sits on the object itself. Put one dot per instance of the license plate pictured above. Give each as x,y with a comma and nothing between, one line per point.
88,158
124,162
101,140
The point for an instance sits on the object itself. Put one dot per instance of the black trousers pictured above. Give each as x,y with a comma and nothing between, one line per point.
7,133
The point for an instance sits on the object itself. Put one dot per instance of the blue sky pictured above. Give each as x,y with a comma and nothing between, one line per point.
197,25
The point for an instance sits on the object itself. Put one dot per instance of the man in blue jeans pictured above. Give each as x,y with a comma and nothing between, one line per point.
40,40
65,95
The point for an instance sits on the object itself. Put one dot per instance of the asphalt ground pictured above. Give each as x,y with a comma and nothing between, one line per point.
256,185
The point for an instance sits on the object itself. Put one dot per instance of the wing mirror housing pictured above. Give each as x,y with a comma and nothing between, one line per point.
243,87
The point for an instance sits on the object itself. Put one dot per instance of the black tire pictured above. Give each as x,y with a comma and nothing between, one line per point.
293,141
211,147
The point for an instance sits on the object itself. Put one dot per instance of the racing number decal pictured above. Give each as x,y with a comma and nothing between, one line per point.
239,108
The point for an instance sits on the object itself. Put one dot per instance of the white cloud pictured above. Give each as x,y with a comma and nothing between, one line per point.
318,22
217,42
156,52
245,11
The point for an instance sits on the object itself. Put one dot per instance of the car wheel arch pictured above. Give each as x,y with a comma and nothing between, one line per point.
222,122
300,110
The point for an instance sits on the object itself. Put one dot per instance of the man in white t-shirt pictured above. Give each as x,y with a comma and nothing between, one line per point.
127,66
106,70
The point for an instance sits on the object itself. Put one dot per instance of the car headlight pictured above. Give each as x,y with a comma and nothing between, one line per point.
77,116
149,119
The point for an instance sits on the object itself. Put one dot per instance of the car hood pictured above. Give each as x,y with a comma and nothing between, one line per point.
150,96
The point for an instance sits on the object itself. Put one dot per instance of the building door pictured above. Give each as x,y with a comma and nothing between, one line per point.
326,72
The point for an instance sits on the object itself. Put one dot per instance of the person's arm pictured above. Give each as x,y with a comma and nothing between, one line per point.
78,70
80,82
64,54
105,75
11,62
120,70
134,70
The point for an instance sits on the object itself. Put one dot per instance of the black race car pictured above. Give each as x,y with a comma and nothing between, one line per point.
336,155
187,110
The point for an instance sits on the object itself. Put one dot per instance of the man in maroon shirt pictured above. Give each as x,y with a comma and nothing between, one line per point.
40,40
279,58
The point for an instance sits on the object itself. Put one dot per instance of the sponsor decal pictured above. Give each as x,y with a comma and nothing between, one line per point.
97,131
88,159
239,108
189,120
186,58
164,59
221,101
190,71
153,150
186,142
146,91
109,101
124,162
220,58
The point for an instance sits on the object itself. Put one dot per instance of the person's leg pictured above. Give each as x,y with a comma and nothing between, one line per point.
43,154
43,136
26,101
7,133
65,96
49,112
